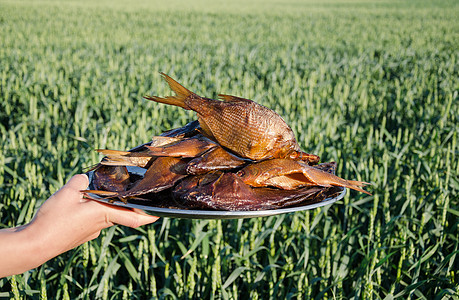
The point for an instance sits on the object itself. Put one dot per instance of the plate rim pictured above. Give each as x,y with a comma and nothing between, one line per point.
219,214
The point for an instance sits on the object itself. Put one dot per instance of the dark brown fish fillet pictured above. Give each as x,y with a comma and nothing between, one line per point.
162,174
229,192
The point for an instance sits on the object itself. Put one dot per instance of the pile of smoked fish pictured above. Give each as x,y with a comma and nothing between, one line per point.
238,155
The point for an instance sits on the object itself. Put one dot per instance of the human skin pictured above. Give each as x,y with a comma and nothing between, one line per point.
64,221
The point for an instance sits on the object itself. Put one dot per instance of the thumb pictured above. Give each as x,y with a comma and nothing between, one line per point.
79,182
76,183
71,190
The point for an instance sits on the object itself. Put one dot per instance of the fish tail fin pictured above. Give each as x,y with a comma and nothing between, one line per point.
111,196
115,158
117,161
99,193
357,185
112,152
322,178
91,168
180,91
159,141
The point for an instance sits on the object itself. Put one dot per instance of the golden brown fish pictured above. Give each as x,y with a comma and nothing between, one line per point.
289,174
187,147
125,158
141,156
241,125
213,160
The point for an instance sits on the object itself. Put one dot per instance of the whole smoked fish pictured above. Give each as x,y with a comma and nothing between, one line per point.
241,125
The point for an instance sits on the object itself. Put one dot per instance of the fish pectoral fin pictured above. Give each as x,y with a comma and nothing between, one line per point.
229,98
258,149
205,130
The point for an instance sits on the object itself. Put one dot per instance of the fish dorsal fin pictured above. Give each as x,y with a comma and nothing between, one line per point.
229,98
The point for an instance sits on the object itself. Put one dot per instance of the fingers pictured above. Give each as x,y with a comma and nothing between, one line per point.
113,214
131,218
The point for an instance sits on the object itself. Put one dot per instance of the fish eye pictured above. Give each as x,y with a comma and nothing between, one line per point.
294,155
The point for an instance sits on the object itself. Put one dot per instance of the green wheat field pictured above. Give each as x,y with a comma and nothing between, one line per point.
372,85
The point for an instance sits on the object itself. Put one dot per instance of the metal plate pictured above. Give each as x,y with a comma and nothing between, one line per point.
216,214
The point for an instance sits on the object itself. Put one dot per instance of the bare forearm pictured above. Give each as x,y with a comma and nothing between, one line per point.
63,222
19,251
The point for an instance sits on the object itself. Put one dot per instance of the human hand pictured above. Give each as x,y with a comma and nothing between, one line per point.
65,221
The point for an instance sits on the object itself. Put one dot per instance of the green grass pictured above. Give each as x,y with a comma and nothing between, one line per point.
372,85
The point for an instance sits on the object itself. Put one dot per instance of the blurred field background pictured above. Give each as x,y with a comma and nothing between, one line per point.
372,85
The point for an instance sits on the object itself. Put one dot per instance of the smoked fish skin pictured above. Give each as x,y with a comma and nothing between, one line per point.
241,125
288,174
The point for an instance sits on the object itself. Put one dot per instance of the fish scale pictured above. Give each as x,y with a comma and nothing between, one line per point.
250,122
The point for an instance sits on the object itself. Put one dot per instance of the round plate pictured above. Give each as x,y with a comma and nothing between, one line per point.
213,214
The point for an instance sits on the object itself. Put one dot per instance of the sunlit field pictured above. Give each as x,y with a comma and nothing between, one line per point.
372,85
